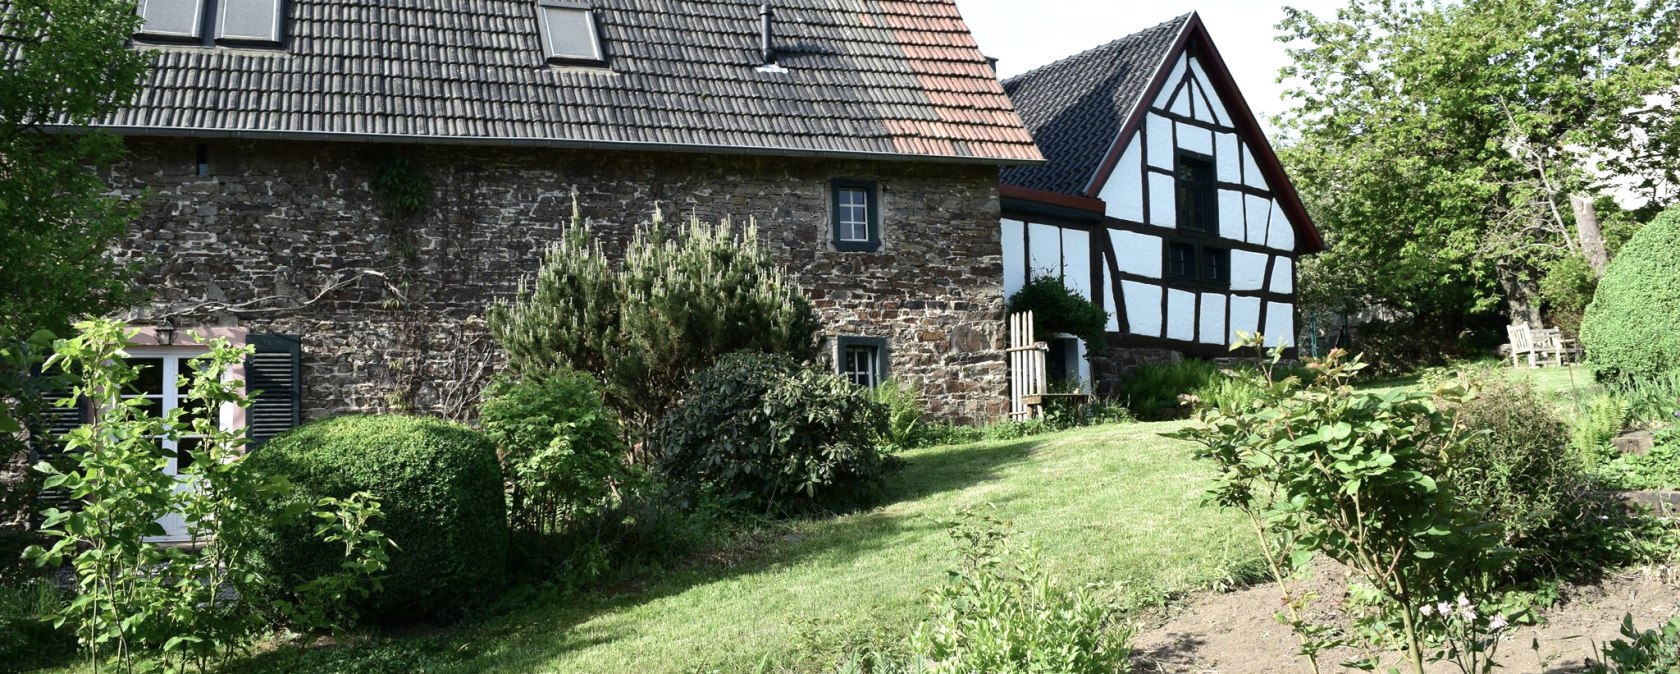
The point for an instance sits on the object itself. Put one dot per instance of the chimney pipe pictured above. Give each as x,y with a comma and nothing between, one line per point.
765,50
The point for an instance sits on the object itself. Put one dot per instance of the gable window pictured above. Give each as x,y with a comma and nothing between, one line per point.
1198,193
245,23
569,34
1191,261
861,360
857,216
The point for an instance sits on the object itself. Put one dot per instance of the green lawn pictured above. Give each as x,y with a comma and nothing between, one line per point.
1117,505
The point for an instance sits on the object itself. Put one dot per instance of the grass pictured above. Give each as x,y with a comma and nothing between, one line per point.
1117,506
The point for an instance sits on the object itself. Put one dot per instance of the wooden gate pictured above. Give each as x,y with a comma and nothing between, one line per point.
1027,380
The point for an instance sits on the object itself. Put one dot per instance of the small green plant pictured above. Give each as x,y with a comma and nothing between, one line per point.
1153,391
1653,651
905,410
1604,417
562,452
28,637
402,185
1057,309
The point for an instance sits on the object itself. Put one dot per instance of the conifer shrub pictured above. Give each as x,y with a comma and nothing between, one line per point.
441,492
1629,330
680,298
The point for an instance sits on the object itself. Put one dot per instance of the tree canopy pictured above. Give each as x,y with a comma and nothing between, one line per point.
67,63
1439,144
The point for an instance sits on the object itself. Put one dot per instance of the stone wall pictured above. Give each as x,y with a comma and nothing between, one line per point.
395,304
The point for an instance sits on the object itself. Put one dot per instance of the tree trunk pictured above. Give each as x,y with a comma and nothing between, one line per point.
1522,295
1592,237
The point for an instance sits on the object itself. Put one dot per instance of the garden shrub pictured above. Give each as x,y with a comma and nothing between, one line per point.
442,495
1628,330
643,325
560,449
1653,651
28,638
1652,401
1057,309
1517,470
1605,416
760,429
1152,391
905,409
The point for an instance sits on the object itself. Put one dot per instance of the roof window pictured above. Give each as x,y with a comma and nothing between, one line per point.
246,23
569,34
250,22
172,19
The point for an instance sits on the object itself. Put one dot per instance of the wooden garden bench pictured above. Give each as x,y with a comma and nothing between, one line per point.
1543,346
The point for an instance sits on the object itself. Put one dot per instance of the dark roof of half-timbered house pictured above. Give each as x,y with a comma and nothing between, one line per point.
883,78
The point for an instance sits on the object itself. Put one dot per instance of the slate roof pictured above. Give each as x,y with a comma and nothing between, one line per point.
890,78
1076,107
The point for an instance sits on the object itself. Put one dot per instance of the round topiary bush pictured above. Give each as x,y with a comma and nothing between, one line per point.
1630,329
439,486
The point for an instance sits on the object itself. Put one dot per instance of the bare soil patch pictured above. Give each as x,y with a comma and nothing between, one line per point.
1235,633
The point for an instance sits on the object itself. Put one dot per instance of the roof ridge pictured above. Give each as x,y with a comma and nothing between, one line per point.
1175,21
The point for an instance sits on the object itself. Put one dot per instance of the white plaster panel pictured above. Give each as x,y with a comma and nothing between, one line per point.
1076,261
1014,256
1162,98
1245,316
1108,301
1227,159
1231,214
1160,140
1124,190
1283,275
1221,117
1137,253
1046,253
1248,270
1280,324
1181,102
1258,210
1143,308
1282,233
1163,210
1181,315
1195,139
1251,170
1211,330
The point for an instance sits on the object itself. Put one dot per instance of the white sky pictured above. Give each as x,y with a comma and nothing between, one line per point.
1025,34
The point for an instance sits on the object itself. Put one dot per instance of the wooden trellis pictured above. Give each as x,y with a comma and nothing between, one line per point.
1027,379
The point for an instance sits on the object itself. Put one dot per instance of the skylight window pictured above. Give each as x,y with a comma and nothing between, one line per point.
569,34
171,19
250,22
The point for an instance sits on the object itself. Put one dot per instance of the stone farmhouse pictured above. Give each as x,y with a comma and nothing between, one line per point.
268,148
1161,201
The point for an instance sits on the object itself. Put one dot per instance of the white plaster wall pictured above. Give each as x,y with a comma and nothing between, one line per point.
1220,116
1165,96
1014,256
1245,316
1181,315
1280,324
1257,210
1163,209
1159,130
1248,270
1251,170
1143,308
1195,139
1212,326
1282,236
1283,275
1231,214
1230,164
1108,301
1136,253
1181,103
1124,190
1076,261
1046,241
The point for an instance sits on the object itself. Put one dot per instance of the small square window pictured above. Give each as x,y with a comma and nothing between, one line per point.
1216,263
861,360
1181,260
569,34
857,216
1198,193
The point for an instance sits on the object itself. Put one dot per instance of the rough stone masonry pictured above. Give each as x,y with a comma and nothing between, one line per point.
273,224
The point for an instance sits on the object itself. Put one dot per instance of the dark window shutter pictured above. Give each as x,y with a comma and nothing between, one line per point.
274,377
56,422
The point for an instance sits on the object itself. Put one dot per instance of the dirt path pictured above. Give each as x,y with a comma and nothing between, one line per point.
1234,632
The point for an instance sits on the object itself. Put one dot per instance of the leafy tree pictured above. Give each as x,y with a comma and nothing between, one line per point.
1439,144
67,63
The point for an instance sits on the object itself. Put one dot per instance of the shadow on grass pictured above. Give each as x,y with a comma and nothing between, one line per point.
528,637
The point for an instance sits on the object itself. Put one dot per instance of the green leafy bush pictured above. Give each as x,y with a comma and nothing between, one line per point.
644,325
1654,400
1628,330
1653,651
1656,469
1058,309
1567,288
28,638
561,451
905,410
761,429
442,495
1605,416
1152,391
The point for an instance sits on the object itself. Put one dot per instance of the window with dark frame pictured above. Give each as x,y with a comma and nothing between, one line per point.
207,23
856,215
1195,262
861,360
569,33
1198,193
1181,260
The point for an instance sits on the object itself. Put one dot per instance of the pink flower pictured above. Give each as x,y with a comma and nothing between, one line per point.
1427,609
1498,622
1443,608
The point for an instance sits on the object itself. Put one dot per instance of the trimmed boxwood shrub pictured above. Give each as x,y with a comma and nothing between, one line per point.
762,431
441,491
1629,329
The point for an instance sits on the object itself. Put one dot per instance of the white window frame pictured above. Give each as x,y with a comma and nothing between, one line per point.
174,358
